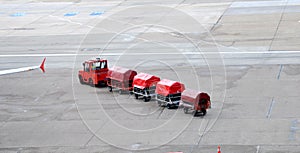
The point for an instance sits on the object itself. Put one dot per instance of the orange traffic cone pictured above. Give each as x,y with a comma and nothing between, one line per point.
219,149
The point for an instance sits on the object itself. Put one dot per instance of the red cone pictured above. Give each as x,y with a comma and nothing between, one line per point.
219,149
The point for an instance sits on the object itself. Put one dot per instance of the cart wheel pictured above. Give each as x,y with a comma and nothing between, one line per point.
195,113
136,96
109,88
120,91
91,83
185,110
203,112
145,99
81,80
169,106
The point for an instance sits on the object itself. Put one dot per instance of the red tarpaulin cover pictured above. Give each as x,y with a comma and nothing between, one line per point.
143,80
166,87
193,96
121,74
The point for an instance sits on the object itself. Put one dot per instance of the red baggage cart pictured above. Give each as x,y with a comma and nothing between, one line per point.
168,93
120,78
197,101
144,85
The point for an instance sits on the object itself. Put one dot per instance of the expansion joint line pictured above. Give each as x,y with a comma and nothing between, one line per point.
281,16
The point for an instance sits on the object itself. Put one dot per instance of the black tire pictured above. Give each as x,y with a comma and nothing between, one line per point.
136,96
98,85
146,99
91,83
81,80
101,84
169,106
104,84
195,113
185,110
120,91
203,112
109,88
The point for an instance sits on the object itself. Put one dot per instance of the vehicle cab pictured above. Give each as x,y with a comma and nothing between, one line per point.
94,72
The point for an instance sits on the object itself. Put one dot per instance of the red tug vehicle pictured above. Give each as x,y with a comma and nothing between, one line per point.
199,102
94,72
168,93
120,78
144,85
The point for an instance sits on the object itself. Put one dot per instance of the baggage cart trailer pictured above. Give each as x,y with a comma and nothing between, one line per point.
196,101
144,85
120,78
168,93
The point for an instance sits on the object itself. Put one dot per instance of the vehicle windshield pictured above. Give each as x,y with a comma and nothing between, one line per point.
96,66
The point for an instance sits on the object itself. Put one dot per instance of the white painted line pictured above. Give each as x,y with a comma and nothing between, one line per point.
257,149
150,53
36,55
257,4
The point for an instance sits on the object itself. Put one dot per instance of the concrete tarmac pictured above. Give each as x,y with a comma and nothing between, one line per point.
245,54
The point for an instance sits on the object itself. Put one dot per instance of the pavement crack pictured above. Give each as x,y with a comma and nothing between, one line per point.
94,133
279,73
201,135
270,108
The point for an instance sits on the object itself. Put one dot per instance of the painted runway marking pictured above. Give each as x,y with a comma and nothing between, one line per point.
166,53
256,4
37,55
270,109
280,69
18,14
96,13
293,129
71,14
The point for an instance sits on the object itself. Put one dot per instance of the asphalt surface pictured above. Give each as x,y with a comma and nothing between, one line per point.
245,54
